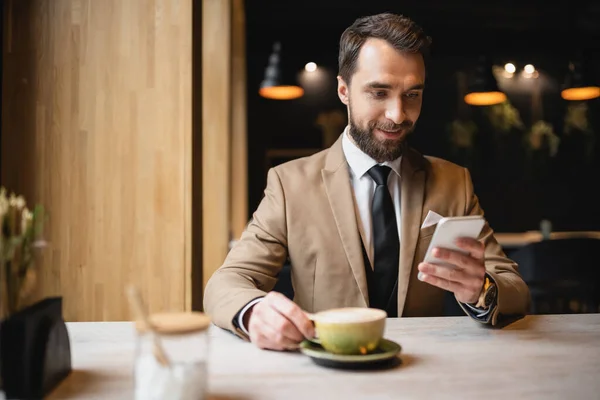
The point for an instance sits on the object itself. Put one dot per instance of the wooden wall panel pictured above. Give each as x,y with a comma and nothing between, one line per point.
216,133
96,125
239,122
224,130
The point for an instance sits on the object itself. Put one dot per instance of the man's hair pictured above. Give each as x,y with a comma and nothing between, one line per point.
399,31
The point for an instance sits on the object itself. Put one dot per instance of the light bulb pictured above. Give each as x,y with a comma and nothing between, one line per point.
310,67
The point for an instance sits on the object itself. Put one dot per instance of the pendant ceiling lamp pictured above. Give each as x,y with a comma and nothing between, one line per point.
482,88
579,84
278,83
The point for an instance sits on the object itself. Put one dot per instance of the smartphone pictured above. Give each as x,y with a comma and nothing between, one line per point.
448,230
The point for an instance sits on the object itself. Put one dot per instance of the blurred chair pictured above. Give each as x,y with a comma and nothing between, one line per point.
563,275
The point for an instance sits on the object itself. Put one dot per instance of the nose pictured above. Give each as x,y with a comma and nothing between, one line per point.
395,112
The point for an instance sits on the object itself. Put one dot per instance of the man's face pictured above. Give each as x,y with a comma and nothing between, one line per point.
384,98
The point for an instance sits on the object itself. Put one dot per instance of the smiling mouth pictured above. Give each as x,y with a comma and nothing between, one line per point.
390,133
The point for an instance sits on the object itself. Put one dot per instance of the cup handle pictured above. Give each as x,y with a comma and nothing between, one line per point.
314,340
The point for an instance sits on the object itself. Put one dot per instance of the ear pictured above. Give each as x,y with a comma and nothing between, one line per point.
343,91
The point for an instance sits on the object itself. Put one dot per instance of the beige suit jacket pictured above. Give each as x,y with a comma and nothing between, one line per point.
308,214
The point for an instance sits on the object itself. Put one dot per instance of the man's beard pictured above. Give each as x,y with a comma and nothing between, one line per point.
379,150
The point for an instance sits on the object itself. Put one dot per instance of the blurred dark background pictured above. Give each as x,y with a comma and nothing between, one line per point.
520,175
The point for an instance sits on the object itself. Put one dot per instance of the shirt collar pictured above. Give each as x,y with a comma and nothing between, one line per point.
359,161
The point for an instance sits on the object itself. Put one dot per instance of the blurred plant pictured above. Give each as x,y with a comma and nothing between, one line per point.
576,118
504,117
332,124
21,230
542,135
462,133
577,127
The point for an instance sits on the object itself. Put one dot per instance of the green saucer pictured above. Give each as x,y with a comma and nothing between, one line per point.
384,356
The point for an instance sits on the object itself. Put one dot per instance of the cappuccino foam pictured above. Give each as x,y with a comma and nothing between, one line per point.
350,315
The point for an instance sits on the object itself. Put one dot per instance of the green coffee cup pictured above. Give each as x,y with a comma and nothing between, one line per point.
349,330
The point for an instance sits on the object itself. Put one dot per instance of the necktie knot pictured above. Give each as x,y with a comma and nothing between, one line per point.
380,174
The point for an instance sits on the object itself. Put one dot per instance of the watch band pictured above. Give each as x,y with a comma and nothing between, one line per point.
487,295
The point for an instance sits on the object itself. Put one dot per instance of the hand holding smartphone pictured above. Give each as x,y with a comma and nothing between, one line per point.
448,230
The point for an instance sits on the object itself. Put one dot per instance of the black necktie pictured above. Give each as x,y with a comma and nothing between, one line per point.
385,239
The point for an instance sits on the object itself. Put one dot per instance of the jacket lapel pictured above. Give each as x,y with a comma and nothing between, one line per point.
336,179
411,210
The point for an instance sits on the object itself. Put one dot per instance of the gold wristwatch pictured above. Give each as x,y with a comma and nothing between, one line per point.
487,295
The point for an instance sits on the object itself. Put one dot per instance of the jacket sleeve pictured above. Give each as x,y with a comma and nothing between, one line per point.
251,268
513,297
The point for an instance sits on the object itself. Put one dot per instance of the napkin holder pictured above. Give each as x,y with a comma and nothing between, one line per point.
35,352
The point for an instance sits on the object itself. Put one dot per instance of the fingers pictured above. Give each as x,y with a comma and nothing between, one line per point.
281,324
269,338
463,283
293,313
466,290
456,258
457,275
277,323
475,248
468,267
466,278
270,330
442,283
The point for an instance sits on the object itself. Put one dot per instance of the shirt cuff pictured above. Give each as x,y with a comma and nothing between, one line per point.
480,314
240,316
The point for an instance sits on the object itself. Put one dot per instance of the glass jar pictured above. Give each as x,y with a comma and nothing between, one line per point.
179,371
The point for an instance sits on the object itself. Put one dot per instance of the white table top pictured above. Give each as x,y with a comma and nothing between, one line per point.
549,357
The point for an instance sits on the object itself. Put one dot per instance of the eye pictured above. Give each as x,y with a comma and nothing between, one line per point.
379,94
413,95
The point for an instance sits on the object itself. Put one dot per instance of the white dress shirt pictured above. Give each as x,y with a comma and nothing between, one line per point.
363,188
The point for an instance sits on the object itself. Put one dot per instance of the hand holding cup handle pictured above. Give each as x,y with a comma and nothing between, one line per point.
277,323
